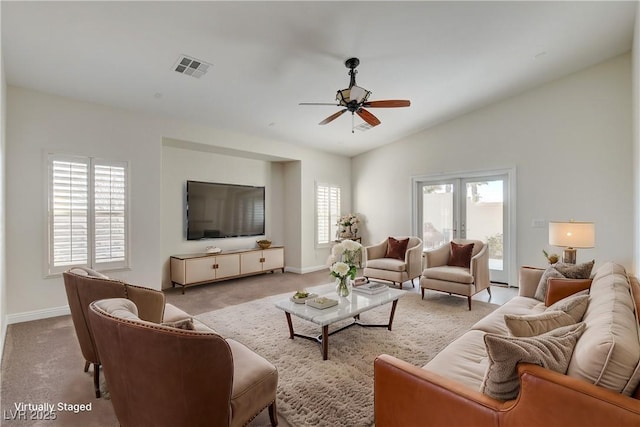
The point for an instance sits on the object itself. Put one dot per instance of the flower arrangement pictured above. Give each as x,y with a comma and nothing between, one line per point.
348,225
342,264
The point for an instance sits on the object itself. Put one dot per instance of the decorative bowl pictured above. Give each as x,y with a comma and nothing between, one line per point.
264,244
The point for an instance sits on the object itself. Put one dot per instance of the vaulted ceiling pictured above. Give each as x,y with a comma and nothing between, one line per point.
448,58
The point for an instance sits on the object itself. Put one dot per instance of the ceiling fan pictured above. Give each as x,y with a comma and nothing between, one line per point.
355,98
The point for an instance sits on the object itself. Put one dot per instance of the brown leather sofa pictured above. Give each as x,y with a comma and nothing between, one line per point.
163,376
83,286
445,392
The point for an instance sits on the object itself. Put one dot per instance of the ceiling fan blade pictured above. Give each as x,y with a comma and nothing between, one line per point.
389,103
319,103
332,117
368,117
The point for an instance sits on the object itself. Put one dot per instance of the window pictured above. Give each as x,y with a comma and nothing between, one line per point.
87,213
327,212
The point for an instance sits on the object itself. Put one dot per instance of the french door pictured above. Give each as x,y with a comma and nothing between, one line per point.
467,208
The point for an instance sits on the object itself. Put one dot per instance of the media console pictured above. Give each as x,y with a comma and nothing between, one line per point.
196,269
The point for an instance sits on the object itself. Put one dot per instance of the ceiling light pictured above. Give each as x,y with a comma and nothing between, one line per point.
191,66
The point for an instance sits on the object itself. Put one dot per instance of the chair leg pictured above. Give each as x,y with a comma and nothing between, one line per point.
422,291
273,414
86,365
96,379
413,285
489,290
469,298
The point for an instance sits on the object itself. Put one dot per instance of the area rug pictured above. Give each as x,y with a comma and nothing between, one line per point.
339,391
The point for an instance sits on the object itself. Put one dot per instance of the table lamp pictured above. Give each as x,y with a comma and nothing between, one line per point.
571,235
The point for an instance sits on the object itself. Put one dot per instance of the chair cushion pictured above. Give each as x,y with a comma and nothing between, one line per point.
390,264
396,248
460,255
254,383
449,274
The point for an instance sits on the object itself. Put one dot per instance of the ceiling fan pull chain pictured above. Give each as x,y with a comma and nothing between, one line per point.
353,124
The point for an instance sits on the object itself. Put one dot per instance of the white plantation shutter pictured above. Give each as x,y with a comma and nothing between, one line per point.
68,215
87,213
110,214
327,212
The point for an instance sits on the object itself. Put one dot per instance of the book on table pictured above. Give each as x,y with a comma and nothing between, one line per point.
371,288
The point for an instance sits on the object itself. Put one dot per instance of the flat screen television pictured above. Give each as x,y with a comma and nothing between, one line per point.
216,211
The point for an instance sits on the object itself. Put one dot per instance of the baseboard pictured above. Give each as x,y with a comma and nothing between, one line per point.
3,336
306,269
28,316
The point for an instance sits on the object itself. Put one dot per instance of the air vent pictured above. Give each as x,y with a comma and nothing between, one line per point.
191,66
363,127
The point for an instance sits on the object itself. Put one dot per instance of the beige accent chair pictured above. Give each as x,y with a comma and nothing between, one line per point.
83,286
391,269
163,376
439,276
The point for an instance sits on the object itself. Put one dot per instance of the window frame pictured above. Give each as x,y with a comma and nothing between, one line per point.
332,222
52,270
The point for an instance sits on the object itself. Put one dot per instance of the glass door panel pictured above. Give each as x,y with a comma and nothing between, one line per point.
484,219
437,214
467,208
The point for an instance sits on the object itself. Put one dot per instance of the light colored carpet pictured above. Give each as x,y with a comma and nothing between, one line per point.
339,391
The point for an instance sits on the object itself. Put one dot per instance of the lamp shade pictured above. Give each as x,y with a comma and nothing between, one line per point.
572,234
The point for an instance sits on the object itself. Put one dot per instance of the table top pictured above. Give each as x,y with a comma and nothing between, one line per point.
347,307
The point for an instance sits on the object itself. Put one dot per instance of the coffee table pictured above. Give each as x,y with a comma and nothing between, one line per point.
348,307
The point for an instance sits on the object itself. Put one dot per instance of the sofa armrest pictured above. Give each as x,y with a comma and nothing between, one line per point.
406,395
150,302
528,279
548,398
437,257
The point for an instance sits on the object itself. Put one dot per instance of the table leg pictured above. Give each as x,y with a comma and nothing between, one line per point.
325,342
289,323
393,312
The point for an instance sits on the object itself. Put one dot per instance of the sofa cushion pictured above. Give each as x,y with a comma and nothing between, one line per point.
119,307
608,353
390,264
449,274
575,305
575,271
558,289
536,324
464,360
562,270
541,290
494,322
460,255
551,350
396,248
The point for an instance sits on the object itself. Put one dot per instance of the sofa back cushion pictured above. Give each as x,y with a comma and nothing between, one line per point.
608,353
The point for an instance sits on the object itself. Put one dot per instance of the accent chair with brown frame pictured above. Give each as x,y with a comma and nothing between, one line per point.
83,286
160,375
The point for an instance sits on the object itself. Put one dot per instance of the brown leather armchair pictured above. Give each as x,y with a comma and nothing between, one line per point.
163,376
83,286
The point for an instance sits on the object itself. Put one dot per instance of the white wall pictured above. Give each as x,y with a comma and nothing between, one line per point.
570,142
3,269
38,123
636,137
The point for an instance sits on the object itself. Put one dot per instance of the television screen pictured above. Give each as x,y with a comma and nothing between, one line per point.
216,211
